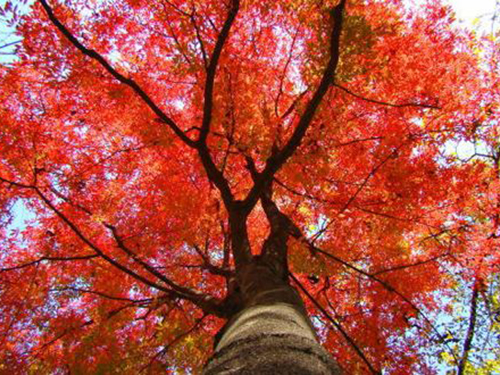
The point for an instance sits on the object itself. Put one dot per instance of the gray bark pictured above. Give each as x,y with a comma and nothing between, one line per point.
272,334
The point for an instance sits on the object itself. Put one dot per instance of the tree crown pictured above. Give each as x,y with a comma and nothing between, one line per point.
144,136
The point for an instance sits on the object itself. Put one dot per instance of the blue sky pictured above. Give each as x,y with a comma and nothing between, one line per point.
469,10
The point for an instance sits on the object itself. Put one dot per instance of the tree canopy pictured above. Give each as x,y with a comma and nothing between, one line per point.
132,130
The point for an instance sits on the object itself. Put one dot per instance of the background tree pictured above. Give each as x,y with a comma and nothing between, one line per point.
184,160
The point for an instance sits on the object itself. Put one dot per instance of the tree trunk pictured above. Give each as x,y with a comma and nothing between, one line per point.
272,334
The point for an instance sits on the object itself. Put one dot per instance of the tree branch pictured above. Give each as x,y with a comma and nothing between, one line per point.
283,74
314,250
403,105
404,266
213,269
194,296
294,104
178,338
17,184
84,324
214,174
335,324
237,217
101,294
212,70
274,250
387,286
120,77
360,188
276,161
50,259
470,330
121,245
206,303
10,44
200,40
97,250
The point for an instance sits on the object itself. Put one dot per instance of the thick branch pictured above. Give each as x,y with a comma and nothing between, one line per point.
240,245
153,271
470,330
212,70
204,302
120,77
274,250
214,174
275,162
237,218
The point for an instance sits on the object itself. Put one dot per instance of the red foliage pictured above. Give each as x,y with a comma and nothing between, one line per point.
375,181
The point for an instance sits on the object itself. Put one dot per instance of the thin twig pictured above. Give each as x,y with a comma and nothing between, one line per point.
403,105
336,325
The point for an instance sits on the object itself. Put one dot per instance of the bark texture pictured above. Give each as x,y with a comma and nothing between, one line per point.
272,334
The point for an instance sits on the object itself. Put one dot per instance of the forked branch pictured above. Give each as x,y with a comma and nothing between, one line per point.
150,269
206,303
274,250
276,161
214,174
314,249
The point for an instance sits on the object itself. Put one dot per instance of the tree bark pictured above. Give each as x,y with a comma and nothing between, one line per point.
272,334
